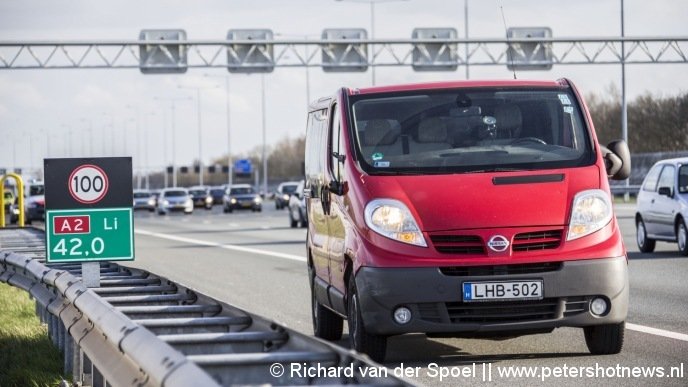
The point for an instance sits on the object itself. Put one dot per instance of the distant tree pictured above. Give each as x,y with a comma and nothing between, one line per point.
655,124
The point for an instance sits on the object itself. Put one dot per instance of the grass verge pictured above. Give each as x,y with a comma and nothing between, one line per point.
27,356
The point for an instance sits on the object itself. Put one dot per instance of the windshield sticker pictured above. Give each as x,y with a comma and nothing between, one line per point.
377,156
564,99
381,164
568,109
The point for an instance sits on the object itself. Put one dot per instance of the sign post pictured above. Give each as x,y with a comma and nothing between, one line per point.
88,212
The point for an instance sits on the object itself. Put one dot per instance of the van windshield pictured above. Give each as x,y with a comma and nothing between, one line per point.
470,130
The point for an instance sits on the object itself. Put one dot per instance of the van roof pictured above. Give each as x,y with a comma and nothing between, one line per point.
456,84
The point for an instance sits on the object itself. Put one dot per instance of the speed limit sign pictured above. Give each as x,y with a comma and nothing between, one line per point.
88,209
88,184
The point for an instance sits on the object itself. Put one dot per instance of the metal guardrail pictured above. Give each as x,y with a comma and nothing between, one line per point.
139,329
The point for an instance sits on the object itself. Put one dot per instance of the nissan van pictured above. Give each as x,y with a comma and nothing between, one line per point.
463,209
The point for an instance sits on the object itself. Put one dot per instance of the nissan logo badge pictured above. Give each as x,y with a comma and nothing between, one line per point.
498,243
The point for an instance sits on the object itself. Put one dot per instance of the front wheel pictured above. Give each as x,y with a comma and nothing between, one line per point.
604,339
374,346
645,244
682,238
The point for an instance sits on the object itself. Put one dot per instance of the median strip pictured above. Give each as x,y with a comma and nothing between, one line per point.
221,245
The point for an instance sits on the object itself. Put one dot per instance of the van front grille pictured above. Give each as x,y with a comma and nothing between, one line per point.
458,244
539,240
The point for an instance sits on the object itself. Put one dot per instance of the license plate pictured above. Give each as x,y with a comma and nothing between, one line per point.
501,291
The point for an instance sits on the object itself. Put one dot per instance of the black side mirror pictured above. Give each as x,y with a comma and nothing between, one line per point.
617,160
337,188
666,191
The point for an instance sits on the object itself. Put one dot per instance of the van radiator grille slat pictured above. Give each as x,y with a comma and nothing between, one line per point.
458,244
539,240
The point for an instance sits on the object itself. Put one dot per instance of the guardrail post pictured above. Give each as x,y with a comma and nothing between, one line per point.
68,354
86,370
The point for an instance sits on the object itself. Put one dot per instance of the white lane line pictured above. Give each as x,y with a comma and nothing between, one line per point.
221,246
657,332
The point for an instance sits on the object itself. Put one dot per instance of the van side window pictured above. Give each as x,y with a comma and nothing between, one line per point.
651,179
336,144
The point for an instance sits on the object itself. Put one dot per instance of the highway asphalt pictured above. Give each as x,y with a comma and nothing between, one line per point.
256,262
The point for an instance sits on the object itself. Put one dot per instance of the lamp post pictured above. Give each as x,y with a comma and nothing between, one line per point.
265,159
372,27
200,131
173,102
230,165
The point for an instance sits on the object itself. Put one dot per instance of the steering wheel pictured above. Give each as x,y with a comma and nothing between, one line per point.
528,139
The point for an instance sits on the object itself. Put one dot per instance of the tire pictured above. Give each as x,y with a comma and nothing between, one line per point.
645,244
374,346
682,237
604,339
161,213
326,324
292,223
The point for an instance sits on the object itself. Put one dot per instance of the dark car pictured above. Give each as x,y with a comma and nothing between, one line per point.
284,192
297,208
242,197
663,206
218,193
201,197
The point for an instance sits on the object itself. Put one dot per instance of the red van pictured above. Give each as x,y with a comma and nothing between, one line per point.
463,209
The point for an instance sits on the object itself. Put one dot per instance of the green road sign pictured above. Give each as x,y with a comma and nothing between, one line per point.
95,234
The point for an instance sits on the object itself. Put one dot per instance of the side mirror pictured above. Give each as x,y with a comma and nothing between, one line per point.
666,191
617,160
336,187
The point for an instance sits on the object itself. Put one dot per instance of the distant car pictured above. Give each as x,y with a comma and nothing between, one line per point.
242,197
201,197
34,209
662,213
143,200
297,208
284,192
175,200
218,193
155,193
34,204
7,199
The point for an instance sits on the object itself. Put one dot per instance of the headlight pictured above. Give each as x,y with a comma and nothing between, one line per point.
285,197
591,211
189,202
232,200
257,200
392,219
151,202
208,199
166,202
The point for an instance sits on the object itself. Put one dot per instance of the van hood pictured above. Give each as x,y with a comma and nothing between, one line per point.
487,200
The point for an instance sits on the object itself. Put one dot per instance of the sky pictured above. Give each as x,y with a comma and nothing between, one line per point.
121,112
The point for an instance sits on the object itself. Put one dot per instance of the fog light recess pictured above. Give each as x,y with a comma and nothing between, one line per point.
599,306
402,315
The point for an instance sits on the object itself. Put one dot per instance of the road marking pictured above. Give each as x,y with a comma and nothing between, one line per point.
657,332
222,246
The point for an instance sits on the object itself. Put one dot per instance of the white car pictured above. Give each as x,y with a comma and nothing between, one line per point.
175,200
663,206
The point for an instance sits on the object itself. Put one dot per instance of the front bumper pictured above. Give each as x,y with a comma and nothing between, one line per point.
435,299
